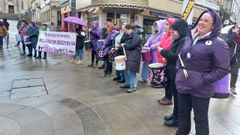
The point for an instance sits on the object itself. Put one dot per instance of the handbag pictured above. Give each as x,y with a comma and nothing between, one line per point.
147,56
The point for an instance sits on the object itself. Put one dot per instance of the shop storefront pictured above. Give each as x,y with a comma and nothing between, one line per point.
118,13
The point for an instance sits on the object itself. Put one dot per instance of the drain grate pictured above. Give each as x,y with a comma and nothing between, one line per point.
28,87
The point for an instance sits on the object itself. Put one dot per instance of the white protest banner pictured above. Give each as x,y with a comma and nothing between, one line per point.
57,42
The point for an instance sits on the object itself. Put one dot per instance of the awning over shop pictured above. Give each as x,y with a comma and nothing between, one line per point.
146,11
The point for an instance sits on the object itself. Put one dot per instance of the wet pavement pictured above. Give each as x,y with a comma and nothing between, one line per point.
54,97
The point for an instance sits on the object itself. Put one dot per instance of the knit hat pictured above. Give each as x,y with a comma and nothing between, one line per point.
170,21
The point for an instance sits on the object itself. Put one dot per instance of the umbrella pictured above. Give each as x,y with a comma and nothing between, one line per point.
225,29
73,19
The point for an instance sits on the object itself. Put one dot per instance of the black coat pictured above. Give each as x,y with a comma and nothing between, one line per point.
33,32
171,56
234,48
80,38
133,51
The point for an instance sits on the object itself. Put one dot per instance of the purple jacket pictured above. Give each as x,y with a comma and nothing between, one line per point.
153,41
108,41
95,34
206,62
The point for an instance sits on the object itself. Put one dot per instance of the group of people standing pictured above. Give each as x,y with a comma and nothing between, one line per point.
194,58
28,34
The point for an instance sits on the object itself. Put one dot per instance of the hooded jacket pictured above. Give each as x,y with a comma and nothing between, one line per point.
234,46
154,40
206,61
95,34
166,41
171,55
133,51
33,32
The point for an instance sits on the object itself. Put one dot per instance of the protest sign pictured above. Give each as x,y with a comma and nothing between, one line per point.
57,42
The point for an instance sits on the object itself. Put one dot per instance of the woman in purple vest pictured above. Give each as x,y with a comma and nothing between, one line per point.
203,60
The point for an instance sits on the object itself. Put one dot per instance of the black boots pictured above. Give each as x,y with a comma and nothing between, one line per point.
170,121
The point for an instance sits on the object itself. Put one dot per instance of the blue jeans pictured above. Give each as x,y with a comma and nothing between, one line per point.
145,71
79,53
1,40
131,78
120,74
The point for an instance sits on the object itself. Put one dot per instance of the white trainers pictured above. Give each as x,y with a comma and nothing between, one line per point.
233,91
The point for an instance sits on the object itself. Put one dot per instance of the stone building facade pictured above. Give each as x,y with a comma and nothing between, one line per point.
13,9
14,6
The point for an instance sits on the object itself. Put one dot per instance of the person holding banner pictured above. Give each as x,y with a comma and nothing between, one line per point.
23,32
81,34
32,33
43,29
203,60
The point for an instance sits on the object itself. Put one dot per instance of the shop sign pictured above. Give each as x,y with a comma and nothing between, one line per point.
132,2
187,10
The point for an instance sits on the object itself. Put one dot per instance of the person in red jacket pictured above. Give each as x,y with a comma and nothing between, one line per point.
166,43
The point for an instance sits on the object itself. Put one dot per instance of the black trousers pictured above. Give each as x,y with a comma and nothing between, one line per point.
108,66
200,107
24,47
94,56
40,54
30,49
168,92
234,72
172,86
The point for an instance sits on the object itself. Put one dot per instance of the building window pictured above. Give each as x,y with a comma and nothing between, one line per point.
10,9
59,18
